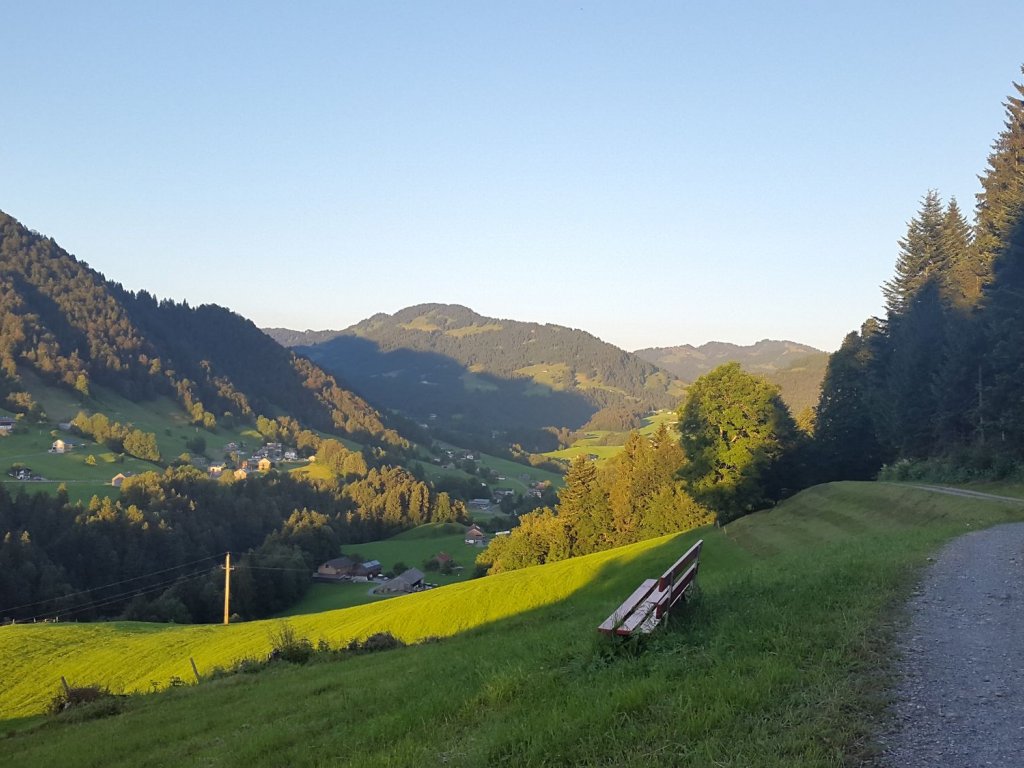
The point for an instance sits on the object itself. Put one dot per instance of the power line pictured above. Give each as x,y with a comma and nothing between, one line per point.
113,583
123,596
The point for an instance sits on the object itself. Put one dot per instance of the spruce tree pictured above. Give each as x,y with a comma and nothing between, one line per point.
845,439
1000,202
921,256
1000,242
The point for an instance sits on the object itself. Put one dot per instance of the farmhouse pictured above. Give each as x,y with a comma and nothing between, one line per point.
337,568
475,536
117,479
409,581
60,446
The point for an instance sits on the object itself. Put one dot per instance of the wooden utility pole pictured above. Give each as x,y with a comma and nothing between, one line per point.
227,587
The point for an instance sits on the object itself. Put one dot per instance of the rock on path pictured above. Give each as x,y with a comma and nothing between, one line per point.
960,699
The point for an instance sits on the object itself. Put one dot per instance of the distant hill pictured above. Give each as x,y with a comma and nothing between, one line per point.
68,325
797,368
289,338
479,375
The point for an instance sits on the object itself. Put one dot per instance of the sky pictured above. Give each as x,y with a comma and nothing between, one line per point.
655,173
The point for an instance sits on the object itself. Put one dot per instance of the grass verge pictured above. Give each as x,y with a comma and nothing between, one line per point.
780,662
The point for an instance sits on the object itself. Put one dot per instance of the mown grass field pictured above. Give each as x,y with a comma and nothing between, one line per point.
605,444
410,547
778,663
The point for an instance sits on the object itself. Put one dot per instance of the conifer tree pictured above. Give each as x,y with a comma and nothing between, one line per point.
1000,242
845,439
1000,202
921,257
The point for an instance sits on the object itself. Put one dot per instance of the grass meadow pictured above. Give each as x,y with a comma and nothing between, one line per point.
782,660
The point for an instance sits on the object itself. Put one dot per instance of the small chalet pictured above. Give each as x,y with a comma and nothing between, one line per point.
475,536
410,581
59,446
241,474
264,465
117,479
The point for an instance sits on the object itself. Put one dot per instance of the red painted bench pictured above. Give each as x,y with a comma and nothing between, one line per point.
643,610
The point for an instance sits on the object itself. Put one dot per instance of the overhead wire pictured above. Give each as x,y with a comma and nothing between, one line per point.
119,598
113,583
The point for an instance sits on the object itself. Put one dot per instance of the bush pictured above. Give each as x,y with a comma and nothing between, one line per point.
80,696
288,646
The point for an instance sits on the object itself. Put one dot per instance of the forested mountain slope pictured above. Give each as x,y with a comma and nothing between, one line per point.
796,368
484,374
67,323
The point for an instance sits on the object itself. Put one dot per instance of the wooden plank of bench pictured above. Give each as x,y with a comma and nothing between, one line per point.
621,613
680,565
641,617
675,594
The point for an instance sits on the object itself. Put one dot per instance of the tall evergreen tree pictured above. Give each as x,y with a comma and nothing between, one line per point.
922,255
845,440
1000,242
1000,202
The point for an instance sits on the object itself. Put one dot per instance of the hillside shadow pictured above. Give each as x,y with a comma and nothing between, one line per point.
434,388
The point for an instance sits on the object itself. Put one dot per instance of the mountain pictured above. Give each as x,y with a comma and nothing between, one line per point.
68,325
797,369
478,376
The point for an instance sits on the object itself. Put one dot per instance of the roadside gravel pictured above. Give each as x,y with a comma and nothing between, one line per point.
959,701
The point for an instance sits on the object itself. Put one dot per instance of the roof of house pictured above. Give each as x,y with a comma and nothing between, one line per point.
371,564
410,576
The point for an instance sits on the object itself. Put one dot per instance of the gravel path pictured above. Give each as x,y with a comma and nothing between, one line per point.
960,700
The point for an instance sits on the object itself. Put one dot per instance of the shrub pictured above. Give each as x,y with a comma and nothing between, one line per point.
288,646
79,696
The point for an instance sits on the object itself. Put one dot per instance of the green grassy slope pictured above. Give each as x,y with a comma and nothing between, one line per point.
161,416
775,665
605,445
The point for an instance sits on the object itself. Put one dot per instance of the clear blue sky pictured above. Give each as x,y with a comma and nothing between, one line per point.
654,173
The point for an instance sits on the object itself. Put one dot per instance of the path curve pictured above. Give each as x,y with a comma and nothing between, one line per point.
966,493
960,698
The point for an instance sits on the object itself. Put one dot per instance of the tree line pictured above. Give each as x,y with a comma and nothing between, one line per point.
934,386
57,556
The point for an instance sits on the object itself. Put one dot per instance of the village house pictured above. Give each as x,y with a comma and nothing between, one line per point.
119,478
60,446
409,581
6,424
475,536
264,465
290,456
241,473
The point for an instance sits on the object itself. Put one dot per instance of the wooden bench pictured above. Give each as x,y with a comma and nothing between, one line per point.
643,610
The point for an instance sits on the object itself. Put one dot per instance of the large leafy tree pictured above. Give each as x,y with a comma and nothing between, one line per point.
738,438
